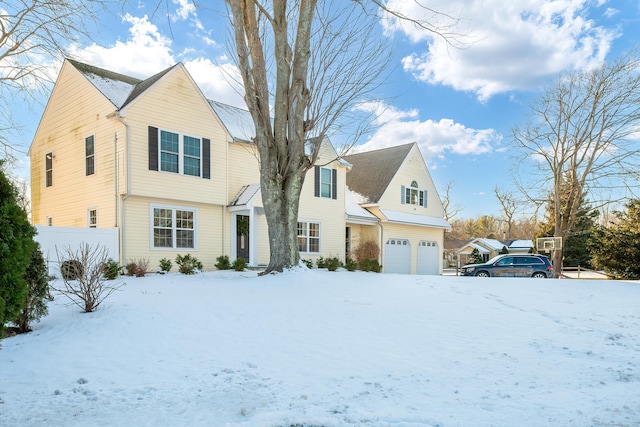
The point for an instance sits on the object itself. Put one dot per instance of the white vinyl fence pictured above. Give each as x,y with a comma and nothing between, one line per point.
54,240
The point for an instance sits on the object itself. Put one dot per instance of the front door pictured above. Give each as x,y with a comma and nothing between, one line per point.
242,237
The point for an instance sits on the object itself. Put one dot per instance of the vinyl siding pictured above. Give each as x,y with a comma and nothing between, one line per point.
243,167
413,169
137,233
174,104
76,110
415,234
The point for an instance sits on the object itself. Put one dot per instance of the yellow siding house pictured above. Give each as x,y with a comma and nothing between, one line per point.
176,173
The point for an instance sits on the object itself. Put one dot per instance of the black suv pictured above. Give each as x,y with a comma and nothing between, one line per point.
531,265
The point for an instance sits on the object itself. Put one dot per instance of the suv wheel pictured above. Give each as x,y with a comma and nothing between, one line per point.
482,274
539,275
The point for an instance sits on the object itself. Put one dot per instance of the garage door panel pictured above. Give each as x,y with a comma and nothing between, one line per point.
397,256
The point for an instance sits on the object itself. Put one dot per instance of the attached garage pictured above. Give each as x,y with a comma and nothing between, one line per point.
428,257
397,258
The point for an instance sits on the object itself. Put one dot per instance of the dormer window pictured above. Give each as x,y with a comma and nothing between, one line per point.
412,195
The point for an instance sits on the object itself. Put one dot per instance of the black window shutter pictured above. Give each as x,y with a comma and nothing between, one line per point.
153,148
206,158
317,181
334,184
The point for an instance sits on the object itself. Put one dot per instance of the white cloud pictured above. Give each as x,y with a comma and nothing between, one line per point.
511,45
435,138
143,54
147,51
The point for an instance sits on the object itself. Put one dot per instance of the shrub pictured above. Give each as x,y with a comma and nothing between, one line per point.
222,263
71,269
370,265
165,265
35,306
188,264
138,267
239,264
88,290
320,262
367,250
16,244
111,269
332,264
307,262
350,264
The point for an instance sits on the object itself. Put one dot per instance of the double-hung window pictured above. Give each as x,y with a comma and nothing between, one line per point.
309,237
326,182
179,153
173,228
48,169
92,218
413,195
90,155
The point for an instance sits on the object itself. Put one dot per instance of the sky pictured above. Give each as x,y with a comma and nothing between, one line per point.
459,103
341,349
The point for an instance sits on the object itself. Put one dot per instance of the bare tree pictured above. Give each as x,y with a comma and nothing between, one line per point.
305,65
450,209
581,137
33,35
84,282
509,205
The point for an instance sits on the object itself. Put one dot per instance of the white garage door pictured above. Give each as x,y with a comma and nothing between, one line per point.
397,258
428,257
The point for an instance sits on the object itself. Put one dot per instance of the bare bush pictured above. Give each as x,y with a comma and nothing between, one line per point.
367,250
87,287
137,267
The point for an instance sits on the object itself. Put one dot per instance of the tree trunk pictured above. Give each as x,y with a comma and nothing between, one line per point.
281,199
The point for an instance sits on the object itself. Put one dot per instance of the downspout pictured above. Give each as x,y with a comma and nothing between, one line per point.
381,243
123,245
115,179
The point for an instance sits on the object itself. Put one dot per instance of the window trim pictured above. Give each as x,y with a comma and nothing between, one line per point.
333,183
87,157
181,153
413,192
48,169
174,227
308,222
89,224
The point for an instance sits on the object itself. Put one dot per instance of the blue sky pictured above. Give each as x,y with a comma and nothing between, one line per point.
459,105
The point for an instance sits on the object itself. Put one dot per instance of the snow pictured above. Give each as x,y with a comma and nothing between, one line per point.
316,348
408,218
116,91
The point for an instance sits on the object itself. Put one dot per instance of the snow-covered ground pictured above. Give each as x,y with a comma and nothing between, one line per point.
315,348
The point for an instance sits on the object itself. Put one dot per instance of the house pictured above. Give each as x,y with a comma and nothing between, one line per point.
489,248
395,186
176,173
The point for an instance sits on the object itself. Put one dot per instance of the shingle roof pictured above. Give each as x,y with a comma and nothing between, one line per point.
118,88
383,164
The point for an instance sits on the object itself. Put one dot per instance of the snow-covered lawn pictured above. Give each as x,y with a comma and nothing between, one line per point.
315,348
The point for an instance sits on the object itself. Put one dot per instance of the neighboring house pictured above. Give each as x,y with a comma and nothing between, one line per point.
489,248
395,187
176,173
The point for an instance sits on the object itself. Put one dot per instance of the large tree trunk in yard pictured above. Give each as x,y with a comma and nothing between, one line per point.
281,199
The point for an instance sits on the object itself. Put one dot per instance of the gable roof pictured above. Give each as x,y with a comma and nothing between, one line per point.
237,122
385,162
117,88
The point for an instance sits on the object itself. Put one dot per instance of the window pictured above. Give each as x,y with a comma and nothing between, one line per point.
48,169
413,195
90,155
308,237
173,227
326,184
49,221
169,152
92,218
177,153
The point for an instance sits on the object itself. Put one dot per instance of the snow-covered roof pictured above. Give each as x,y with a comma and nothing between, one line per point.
116,91
355,212
471,246
491,243
245,195
238,122
408,218
521,244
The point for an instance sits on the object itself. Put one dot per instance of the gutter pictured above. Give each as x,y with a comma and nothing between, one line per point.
119,118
